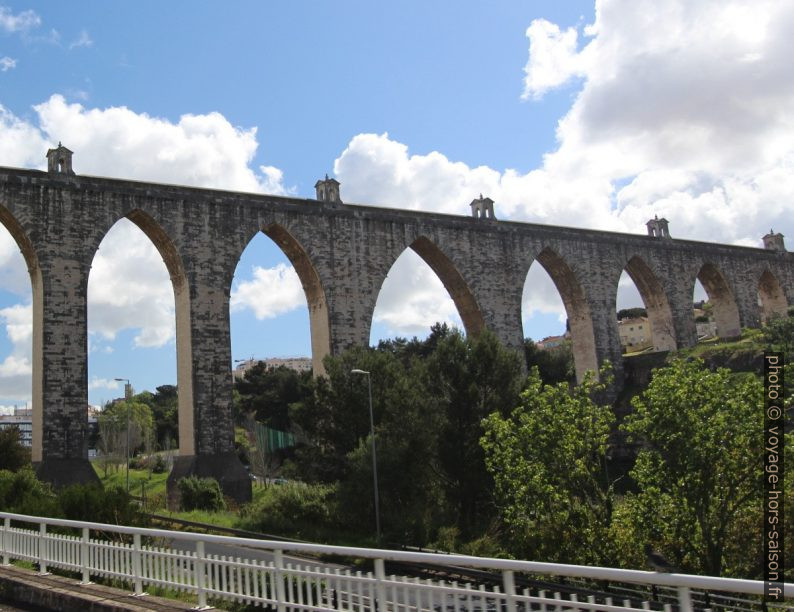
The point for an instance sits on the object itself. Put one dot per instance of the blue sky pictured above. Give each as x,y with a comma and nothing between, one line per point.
591,114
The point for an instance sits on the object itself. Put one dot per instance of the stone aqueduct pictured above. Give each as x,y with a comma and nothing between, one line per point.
342,254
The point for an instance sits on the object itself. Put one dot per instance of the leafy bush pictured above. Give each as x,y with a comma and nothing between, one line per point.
139,463
23,493
201,494
293,507
160,465
112,505
13,456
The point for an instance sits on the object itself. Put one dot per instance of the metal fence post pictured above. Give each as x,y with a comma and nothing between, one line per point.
278,557
684,599
198,570
380,585
5,543
509,583
84,557
43,549
136,564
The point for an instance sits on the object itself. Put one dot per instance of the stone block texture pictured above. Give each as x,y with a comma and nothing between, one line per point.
342,254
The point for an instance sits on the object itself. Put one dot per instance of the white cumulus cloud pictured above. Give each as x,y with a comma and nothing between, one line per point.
7,63
553,59
413,298
103,383
269,293
200,150
129,286
21,22
16,368
685,111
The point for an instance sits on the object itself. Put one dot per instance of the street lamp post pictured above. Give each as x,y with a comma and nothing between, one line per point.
127,397
374,460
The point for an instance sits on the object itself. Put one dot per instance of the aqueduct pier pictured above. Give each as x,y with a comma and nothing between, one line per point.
342,254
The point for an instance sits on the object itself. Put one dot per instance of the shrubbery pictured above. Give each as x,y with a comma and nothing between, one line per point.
13,456
21,492
201,494
160,465
297,508
90,501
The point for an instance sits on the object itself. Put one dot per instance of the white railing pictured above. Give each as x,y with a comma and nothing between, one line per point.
261,572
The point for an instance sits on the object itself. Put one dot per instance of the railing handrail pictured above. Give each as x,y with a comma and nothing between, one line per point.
736,585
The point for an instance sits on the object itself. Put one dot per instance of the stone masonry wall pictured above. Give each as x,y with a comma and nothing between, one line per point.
342,254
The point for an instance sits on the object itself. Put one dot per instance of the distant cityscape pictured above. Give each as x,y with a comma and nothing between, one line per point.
22,419
299,364
636,335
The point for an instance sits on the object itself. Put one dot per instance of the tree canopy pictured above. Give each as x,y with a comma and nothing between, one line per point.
124,421
548,459
429,399
697,472
13,455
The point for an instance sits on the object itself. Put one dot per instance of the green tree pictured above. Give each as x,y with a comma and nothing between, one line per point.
335,418
698,471
164,404
778,335
631,313
548,459
13,456
555,365
267,393
429,398
200,494
113,423
112,505
406,443
23,493
406,350
469,378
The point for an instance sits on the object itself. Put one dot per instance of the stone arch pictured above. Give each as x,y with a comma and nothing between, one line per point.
771,296
319,322
184,352
726,311
656,303
37,355
580,320
458,289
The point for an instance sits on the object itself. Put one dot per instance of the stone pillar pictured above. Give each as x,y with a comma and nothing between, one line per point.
746,296
605,330
683,320
498,294
63,445
349,317
788,286
207,444
680,293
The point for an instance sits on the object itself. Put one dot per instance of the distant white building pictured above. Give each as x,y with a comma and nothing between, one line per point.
635,334
299,364
550,342
22,419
